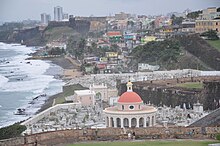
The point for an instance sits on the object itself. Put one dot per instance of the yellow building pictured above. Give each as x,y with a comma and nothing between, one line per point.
111,54
97,26
205,25
149,39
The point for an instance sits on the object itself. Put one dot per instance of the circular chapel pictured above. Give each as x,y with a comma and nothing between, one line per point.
130,111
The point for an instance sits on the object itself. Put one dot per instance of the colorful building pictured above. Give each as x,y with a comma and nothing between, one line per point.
205,25
114,36
147,39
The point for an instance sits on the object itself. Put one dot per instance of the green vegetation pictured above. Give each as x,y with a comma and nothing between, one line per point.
194,15
11,131
191,85
215,44
163,53
211,35
56,33
68,91
218,136
57,51
76,47
148,143
176,20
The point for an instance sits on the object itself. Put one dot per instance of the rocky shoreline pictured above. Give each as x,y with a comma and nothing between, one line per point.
67,66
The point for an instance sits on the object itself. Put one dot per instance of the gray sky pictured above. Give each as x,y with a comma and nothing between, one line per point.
17,10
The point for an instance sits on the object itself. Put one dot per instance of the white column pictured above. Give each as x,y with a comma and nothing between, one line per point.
129,122
115,122
145,122
154,121
109,122
150,122
106,121
137,119
122,122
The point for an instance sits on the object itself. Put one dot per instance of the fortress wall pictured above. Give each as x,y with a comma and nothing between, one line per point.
71,136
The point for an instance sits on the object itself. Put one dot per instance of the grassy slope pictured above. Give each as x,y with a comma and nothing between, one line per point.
191,85
60,97
148,143
215,44
58,32
68,91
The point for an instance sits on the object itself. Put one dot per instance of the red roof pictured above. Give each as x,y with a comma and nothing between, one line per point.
114,33
130,97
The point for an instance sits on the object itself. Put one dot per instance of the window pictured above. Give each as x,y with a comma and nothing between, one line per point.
123,107
216,23
131,107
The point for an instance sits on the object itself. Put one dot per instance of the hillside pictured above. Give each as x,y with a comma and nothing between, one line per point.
199,48
59,33
215,44
37,37
169,54
179,52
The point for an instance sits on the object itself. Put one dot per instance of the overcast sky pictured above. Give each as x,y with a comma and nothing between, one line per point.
17,10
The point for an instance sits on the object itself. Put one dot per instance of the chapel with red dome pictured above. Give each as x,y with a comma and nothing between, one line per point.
130,111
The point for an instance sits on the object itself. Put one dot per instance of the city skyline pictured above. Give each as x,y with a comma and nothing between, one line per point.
11,10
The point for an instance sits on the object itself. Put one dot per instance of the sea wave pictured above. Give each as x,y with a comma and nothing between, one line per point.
3,80
28,78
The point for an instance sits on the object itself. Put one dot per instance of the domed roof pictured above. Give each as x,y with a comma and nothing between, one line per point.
129,97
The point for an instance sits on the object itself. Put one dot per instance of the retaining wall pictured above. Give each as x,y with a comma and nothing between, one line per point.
71,136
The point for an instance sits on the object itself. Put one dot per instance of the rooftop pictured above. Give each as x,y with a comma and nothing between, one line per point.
84,92
145,109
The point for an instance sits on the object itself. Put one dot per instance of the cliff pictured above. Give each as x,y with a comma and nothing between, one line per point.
54,31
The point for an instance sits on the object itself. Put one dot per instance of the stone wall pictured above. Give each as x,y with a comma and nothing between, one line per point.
164,92
71,136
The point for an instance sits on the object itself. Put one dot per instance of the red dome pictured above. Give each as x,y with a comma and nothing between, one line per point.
130,97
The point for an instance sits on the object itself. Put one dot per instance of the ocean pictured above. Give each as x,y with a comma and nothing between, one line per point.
21,81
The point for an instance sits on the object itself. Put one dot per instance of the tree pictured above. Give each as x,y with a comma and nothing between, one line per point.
162,52
14,130
176,20
211,35
71,44
96,70
56,51
194,15
76,47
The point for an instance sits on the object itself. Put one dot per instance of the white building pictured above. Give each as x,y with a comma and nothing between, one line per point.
130,111
58,13
145,66
65,16
198,107
45,18
85,97
103,91
113,101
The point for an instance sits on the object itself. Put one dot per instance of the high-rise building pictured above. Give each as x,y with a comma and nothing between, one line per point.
45,18
65,16
58,13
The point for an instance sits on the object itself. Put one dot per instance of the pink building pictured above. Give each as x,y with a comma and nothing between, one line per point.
85,97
